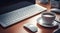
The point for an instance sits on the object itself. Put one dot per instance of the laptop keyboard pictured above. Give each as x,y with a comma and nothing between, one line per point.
10,18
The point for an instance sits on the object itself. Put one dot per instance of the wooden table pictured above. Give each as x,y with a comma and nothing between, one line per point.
18,28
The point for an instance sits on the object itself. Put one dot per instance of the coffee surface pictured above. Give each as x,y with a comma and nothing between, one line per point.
48,16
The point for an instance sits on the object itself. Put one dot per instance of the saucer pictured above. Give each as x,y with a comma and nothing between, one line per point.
40,21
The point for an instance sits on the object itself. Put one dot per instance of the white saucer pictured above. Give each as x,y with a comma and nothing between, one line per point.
40,21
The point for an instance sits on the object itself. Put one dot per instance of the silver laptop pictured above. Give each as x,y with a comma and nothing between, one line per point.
14,16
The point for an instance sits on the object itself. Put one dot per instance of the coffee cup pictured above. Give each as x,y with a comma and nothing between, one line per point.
48,17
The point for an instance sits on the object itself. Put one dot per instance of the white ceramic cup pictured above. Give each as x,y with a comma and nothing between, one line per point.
48,17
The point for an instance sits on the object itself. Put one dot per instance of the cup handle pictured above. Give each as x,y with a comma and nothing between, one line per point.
57,20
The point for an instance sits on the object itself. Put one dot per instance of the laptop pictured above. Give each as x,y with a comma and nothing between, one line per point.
18,12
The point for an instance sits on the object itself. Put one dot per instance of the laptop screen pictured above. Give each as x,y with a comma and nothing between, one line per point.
10,5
